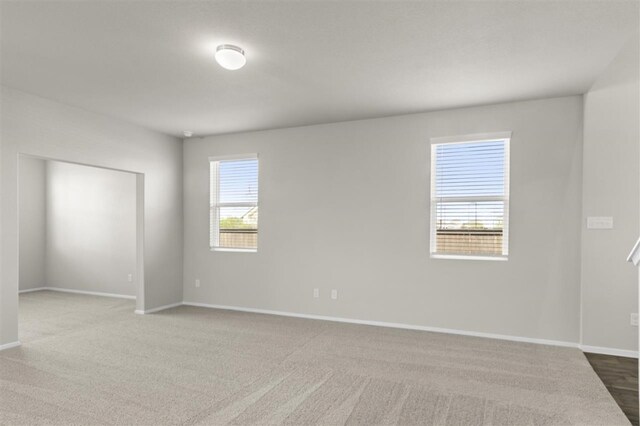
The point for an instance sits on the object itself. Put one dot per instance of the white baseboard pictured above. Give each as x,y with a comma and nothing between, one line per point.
29,290
584,348
10,345
609,351
74,291
158,309
392,325
91,293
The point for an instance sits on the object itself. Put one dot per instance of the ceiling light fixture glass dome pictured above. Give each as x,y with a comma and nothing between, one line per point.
230,57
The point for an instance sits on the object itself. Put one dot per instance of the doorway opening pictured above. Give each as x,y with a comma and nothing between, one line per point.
81,234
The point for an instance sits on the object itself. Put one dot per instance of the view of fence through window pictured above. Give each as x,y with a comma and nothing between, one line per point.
469,198
234,203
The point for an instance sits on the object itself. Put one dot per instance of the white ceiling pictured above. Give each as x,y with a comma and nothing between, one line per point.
151,63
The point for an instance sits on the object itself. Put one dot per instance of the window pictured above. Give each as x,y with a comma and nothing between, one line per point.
233,211
470,196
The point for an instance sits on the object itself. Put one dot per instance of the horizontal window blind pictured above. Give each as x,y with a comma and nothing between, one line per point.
234,204
469,198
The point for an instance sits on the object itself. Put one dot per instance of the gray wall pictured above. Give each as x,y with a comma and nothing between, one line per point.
32,205
612,188
91,229
345,206
37,126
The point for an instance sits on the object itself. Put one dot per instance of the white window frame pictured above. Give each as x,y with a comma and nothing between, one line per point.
481,137
215,205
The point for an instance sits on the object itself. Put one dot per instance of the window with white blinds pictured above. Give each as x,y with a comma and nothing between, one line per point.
470,197
233,211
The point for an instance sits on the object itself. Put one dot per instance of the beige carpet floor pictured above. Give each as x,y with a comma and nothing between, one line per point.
90,360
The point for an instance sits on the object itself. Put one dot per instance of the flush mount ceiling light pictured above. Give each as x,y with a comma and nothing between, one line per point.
230,57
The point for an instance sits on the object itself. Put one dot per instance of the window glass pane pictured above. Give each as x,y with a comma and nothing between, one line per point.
470,215
238,227
474,228
238,181
470,169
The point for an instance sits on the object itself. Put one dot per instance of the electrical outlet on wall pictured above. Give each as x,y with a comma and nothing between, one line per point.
634,320
316,293
600,222
130,278
334,294
197,282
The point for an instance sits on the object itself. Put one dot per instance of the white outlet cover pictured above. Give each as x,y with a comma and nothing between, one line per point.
634,320
316,293
599,222
334,294
130,277
197,283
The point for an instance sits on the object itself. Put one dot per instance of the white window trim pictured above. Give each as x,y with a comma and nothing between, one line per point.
468,257
234,250
249,156
213,207
478,137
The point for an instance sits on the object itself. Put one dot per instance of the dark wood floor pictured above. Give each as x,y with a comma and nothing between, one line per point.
620,376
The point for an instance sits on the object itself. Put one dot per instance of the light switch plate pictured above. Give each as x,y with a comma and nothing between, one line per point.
599,222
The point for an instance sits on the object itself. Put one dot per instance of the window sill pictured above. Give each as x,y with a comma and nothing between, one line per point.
237,250
469,257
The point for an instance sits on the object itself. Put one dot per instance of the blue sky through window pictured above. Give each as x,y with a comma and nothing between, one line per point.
470,169
238,181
